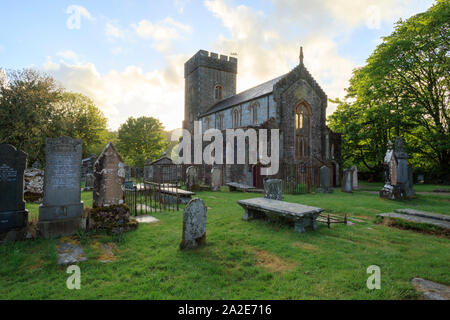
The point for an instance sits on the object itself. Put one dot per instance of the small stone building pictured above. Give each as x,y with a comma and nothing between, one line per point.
162,170
294,103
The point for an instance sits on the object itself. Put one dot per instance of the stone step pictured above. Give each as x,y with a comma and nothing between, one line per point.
424,214
416,219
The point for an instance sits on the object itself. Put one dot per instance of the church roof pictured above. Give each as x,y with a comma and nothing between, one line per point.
247,95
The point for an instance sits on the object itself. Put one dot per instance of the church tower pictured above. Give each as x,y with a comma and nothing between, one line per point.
209,78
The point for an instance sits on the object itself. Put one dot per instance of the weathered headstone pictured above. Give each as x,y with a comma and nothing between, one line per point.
89,181
347,181
325,180
12,206
273,189
216,179
354,178
194,225
191,178
109,173
60,212
398,178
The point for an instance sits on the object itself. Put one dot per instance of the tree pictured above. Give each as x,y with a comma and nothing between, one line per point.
27,99
78,117
402,90
33,107
141,138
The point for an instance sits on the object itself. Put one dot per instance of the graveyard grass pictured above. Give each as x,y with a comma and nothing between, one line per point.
242,260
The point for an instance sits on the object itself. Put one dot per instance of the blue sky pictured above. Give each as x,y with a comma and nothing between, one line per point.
128,55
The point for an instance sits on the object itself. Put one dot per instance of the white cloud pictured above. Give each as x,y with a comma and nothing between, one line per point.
344,14
180,5
265,53
76,12
131,92
163,33
68,55
113,32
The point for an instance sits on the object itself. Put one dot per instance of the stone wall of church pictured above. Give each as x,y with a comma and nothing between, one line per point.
265,109
292,94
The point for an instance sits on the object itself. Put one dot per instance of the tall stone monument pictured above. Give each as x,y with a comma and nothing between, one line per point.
325,180
355,177
216,179
12,206
194,225
273,189
347,181
109,183
192,178
61,210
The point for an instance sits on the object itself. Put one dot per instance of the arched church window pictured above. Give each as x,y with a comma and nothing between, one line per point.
253,108
220,121
302,130
218,92
236,118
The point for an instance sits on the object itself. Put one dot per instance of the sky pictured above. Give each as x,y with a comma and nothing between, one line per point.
128,56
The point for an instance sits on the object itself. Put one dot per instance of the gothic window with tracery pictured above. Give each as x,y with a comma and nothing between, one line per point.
302,130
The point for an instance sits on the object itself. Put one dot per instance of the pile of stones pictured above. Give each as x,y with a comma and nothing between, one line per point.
113,219
34,185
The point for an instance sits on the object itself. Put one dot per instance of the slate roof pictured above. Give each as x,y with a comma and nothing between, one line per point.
247,95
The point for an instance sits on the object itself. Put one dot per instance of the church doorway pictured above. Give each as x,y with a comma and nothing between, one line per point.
258,180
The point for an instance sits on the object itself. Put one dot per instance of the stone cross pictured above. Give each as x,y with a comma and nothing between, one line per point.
12,206
325,180
216,179
355,178
109,173
60,212
273,189
194,225
347,181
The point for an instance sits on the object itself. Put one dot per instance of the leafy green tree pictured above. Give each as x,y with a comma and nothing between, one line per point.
27,100
33,107
402,90
141,138
78,117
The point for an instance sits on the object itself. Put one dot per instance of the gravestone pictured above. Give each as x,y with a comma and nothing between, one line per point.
398,177
109,173
89,181
194,225
325,180
60,212
273,189
191,178
347,181
216,179
355,178
12,206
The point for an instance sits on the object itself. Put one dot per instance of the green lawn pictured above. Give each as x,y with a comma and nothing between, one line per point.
243,260
376,186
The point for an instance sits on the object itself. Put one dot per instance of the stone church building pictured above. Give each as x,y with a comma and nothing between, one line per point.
294,103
